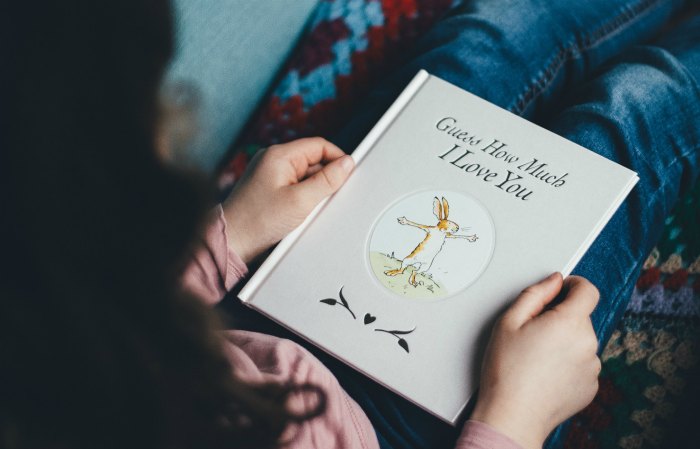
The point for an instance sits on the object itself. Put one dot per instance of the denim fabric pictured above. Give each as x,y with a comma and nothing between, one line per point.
579,69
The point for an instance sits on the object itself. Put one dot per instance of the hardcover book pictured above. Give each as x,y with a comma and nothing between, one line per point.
455,206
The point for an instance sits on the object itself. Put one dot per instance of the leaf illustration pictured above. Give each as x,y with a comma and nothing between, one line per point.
329,301
404,344
401,332
342,297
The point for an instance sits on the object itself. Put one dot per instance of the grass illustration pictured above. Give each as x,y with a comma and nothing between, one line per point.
427,285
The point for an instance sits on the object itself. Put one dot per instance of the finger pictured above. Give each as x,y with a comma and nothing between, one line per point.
597,366
323,183
304,153
580,297
586,340
313,170
533,300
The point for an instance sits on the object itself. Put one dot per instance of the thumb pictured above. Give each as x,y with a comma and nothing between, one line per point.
324,182
533,300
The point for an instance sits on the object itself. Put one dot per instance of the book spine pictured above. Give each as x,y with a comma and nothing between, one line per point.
390,115
246,294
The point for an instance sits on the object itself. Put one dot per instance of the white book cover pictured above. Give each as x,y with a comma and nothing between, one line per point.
454,207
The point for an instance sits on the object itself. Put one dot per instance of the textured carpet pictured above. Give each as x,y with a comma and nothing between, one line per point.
653,354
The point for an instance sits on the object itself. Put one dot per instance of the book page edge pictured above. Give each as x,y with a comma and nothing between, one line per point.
449,420
614,206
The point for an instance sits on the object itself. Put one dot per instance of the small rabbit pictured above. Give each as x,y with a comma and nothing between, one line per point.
422,257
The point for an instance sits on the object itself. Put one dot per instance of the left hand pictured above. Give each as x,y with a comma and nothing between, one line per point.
279,189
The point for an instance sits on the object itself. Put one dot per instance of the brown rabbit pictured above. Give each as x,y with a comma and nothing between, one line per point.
423,255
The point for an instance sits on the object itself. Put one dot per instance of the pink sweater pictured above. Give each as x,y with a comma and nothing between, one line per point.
215,269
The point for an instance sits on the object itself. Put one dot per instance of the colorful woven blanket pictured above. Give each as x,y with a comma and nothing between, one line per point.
653,354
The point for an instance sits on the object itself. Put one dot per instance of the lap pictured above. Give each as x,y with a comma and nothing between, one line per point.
643,112
621,97
514,58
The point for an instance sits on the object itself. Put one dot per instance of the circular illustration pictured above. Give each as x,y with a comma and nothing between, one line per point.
431,244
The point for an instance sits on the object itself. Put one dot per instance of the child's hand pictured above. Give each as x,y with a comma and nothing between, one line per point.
540,367
280,188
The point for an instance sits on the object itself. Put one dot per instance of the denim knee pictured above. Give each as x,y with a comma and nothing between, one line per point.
520,54
644,113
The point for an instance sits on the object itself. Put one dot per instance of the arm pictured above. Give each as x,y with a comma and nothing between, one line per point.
471,238
477,435
405,221
214,268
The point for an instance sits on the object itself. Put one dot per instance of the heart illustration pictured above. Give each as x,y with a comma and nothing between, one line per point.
369,318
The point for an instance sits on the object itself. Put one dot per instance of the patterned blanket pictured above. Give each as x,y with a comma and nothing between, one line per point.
653,354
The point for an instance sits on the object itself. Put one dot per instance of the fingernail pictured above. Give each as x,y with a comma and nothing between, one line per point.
347,163
551,277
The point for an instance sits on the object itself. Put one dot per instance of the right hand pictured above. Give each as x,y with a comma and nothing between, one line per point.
541,365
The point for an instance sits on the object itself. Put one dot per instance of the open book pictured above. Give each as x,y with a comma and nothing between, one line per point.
454,207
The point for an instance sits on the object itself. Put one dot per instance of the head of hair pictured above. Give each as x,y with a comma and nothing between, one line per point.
99,348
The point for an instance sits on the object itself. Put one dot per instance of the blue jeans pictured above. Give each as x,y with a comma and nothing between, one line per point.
595,72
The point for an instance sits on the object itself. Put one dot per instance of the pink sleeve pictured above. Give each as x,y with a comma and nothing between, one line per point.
214,267
477,435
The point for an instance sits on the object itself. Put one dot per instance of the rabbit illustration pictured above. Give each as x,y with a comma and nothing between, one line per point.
422,257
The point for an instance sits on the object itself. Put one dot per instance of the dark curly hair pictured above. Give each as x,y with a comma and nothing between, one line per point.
98,348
